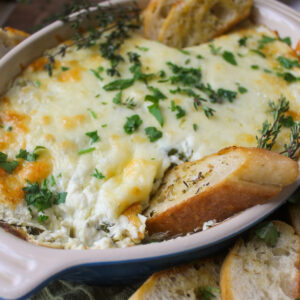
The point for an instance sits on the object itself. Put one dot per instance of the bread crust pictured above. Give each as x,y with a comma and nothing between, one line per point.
243,188
184,23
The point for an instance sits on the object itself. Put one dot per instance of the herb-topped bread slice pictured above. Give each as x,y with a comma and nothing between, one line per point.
216,187
264,268
198,280
184,23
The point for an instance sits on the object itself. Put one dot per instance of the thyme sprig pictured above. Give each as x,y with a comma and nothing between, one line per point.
269,130
112,23
291,149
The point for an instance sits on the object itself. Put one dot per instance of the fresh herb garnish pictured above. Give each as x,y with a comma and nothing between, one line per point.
226,94
207,293
288,77
291,149
268,232
8,166
98,174
184,52
24,154
93,135
265,40
242,89
214,50
243,41
254,67
195,127
145,49
52,181
260,53
97,72
117,21
41,198
270,131
180,111
286,40
288,63
37,83
42,218
132,124
229,57
185,76
153,134
64,69
93,114
84,151
9,128
199,56
119,84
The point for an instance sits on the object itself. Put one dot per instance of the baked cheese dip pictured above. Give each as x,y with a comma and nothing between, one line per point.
82,151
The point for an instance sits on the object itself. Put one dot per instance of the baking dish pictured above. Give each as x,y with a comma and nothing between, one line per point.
25,267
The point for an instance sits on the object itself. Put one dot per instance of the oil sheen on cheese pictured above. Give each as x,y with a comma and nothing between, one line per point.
56,113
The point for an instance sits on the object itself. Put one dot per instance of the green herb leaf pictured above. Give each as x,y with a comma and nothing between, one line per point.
37,83
85,151
60,198
180,111
254,67
93,135
153,134
118,98
288,63
155,111
24,154
132,124
286,40
229,57
145,49
268,232
199,56
8,166
42,218
214,50
98,174
207,293
184,52
243,41
52,181
226,94
93,114
291,149
195,127
97,72
119,84
265,40
64,69
256,51
156,93
242,89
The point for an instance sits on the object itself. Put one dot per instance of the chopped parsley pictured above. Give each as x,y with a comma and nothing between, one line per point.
243,41
41,198
254,67
286,40
153,134
119,84
145,49
288,63
288,77
229,57
268,232
64,69
214,50
8,166
117,99
9,128
52,181
98,174
199,56
132,124
24,154
157,95
180,111
42,218
93,114
195,127
129,102
88,150
184,51
207,293
260,53
242,89
97,72
226,94
265,40
155,111
93,135
37,83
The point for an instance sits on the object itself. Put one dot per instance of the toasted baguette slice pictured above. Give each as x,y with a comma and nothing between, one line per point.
216,187
184,282
9,38
294,211
183,23
254,270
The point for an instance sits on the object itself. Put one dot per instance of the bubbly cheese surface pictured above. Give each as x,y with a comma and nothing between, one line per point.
57,113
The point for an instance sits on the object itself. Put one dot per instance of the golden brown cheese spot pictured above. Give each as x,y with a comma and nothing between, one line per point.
38,64
18,120
46,120
96,58
49,137
72,122
71,75
68,145
132,215
246,138
11,192
36,171
6,140
294,114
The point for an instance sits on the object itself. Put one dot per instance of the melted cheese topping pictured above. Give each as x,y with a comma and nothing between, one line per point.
56,112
